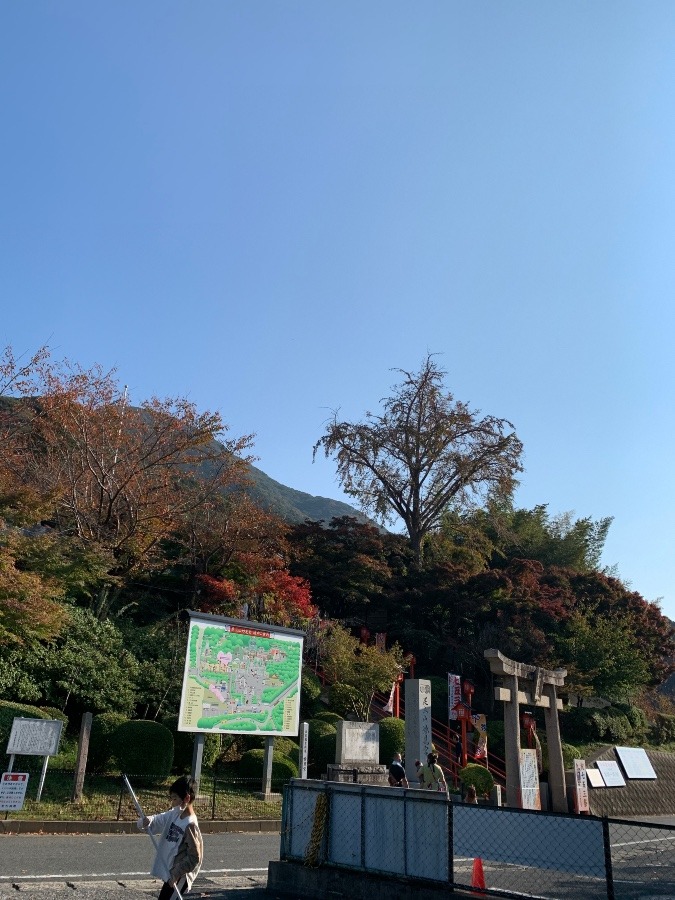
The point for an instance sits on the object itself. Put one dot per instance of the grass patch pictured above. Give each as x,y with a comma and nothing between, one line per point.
104,799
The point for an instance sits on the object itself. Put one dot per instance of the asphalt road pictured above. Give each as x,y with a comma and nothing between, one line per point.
94,867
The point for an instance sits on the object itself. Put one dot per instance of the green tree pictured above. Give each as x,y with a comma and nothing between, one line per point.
425,452
88,667
602,657
494,536
364,668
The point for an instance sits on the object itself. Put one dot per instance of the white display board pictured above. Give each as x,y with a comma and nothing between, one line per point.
13,790
611,773
594,778
241,677
635,762
34,737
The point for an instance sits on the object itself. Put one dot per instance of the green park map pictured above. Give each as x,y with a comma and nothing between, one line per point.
239,678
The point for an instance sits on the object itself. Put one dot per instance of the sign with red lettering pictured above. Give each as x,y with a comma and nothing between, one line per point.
13,790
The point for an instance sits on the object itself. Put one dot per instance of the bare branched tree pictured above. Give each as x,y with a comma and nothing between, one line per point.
424,452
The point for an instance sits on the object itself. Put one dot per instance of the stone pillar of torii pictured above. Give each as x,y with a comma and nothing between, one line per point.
531,686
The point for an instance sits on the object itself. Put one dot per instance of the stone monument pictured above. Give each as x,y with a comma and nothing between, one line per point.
357,754
417,725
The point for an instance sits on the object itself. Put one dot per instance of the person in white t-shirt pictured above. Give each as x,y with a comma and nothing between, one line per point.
180,848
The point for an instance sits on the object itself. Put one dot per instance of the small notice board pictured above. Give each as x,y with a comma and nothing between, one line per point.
13,790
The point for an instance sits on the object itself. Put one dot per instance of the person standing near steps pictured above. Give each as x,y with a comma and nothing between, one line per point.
180,848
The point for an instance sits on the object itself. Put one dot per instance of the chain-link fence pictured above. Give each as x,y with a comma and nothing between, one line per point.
104,798
419,835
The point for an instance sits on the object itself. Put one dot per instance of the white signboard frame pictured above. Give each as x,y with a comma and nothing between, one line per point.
635,762
241,677
611,773
13,787
34,737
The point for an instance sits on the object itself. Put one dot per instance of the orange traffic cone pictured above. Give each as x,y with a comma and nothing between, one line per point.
477,876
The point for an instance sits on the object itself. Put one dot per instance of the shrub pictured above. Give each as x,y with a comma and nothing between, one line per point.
317,727
143,747
327,716
570,753
612,724
478,776
53,713
392,739
100,748
344,699
9,711
251,765
184,744
663,729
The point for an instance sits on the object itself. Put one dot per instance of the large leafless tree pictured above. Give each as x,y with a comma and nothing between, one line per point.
424,452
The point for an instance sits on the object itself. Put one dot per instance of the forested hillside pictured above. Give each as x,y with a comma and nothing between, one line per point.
118,517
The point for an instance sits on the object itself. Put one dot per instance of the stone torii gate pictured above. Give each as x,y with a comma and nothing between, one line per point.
531,686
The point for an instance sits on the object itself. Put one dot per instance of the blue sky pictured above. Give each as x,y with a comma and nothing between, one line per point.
268,206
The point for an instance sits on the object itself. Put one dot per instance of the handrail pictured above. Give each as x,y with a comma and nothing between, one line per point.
495,764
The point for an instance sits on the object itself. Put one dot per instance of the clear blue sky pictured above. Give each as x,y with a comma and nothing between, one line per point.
267,206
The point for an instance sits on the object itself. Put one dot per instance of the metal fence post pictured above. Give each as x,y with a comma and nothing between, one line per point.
363,827
213,798
405,833
327,830
451,848
119,805
609,877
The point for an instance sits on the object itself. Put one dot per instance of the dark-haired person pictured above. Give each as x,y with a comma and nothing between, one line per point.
397,776
180,848
432,777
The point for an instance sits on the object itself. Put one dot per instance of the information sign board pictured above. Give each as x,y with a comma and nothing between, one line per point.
611,773
635,762
580,787
34,737
241,677
13,790
529,780
594,778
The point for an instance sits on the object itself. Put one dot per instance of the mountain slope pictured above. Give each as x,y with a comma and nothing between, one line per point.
296,506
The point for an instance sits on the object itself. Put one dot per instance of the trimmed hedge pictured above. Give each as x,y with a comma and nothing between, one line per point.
251,765
143,747
327,716
9,711
478,776
392,739
103,726
183,747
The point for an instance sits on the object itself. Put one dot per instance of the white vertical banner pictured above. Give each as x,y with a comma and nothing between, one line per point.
581,804
304,748
390,702
454,695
